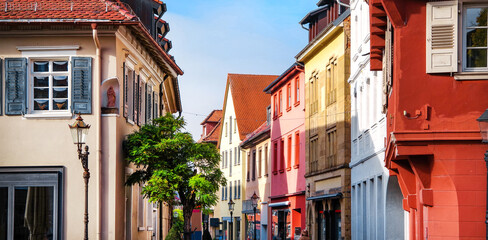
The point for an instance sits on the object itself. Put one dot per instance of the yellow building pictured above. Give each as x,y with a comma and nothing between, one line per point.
91,57
326,60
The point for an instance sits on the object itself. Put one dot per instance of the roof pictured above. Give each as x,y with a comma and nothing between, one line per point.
82,12
261,133
250,101
214,116
294,66
311,14
213,136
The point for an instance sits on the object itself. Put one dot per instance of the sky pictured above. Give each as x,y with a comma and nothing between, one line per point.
212,38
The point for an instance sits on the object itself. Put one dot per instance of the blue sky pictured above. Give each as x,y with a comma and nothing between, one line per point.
214,37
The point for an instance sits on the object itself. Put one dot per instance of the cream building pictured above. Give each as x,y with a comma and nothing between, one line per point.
91,57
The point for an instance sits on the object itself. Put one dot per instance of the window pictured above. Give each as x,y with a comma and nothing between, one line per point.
226,129
288,96
253,165
140,210
50,81
331,85
282,155
230,131
275,157
260,156
475,27
222,160
239,189
230,189
230,163
297,91
239,156
314,154
249,166
235,125
331,148
30,203
280,95
313,94
235,189
275,110
266,160
48,86
297,150
226,159
223,193
268,115
288,157
235,157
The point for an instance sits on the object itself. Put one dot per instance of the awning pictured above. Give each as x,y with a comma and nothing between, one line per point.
324,196
279,204
228,219
251,211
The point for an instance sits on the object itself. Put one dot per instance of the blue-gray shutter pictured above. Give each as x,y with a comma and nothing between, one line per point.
133,96
136,101
15,86
155,108
81,87
149,101
126,91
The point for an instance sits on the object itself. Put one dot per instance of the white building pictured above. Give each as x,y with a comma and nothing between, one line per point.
375,196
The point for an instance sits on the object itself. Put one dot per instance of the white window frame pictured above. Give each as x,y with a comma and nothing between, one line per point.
30,94
464,37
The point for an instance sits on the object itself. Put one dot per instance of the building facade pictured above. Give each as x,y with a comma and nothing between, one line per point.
287,197
327,127
428,51
256,149
90,57
243,112
376,199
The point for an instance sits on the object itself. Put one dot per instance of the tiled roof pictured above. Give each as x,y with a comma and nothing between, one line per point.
213,136
100,10
214,116
82,11
256,133
250,101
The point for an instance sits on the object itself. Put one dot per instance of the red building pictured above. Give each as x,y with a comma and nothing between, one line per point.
434,58
287,198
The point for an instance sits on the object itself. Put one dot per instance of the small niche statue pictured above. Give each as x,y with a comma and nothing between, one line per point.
111,97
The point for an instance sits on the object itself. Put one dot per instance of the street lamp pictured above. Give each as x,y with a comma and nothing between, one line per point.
231,209
79,131
254,202
483,122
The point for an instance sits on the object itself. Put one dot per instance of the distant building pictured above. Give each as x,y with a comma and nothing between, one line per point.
91,57
327,126
287,116
376,199
243,112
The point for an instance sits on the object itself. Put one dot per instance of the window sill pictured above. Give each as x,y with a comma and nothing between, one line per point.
150,229
275,172
66,115
141,229
296,166
296,104
282,170
288,108
288,169
471,76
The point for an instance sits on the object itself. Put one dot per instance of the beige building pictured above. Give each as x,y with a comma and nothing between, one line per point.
91,57
327,126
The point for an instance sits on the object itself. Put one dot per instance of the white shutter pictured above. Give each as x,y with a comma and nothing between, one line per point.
442,32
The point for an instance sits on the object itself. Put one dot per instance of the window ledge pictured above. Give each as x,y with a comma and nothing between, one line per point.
296,166
296,104
471,76
275,172
282,170
141,229
67,115
288,108
288,169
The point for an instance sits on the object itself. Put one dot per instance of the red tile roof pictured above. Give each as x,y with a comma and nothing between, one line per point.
81,11
68,10
213,136
214,116
250,101
265,127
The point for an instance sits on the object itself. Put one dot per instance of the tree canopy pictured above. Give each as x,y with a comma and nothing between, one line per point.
174,168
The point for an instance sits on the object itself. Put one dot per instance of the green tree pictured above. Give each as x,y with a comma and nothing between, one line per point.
174,168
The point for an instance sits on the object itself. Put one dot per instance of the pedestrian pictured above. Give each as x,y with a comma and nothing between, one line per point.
206,235
304,235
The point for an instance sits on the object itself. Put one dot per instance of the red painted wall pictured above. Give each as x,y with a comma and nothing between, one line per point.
438,157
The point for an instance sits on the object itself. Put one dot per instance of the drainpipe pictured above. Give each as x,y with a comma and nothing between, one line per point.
98,114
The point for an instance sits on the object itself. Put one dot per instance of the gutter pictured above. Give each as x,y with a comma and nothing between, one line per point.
97,112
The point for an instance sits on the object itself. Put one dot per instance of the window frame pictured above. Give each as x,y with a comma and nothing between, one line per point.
297,150
288,97
463,27
50,74
297,91
57,184
288,153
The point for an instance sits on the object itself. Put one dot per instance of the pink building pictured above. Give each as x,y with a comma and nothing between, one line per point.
287,199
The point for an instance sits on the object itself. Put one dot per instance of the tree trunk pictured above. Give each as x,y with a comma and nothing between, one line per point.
187,212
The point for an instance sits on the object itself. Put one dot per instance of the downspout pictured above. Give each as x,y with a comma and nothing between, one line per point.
98,107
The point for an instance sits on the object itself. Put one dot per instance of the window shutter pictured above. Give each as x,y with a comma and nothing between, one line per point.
139,101
15,86
441,32
136,101
126,90
133,96
149,104
155,107
81,78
